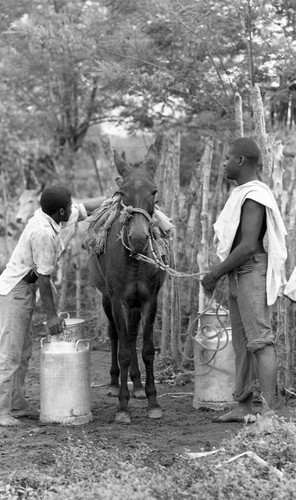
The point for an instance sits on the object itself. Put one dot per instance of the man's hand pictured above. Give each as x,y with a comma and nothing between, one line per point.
55,325
209,283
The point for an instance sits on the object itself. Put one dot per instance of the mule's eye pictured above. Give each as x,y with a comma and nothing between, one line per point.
154,192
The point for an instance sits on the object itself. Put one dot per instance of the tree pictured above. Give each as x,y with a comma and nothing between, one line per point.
156,64
55,73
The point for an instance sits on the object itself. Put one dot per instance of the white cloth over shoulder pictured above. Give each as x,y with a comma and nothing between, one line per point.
228,222
290,288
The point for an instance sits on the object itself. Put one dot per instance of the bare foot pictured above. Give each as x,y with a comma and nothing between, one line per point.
25,412
8,421
236,415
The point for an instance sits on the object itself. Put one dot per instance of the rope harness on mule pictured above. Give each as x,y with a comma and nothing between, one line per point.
156,259
159,235
160,249
128,212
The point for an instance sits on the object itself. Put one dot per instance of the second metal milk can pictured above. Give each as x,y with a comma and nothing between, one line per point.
214,364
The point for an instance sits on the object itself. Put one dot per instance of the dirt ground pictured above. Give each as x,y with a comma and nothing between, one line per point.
182,427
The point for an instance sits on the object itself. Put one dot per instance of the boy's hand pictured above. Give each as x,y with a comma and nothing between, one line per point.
55,325
209,282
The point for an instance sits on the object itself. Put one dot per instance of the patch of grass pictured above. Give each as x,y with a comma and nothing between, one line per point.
84,470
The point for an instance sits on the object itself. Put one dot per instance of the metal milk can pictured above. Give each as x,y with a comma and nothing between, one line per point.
65,377
214,364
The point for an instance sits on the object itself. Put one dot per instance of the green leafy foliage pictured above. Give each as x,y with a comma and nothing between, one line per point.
67,65
87,470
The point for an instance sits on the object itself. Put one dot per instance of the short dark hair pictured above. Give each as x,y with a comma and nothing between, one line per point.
246,147
54,198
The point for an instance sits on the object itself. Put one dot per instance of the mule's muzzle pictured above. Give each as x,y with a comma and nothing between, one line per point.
138,243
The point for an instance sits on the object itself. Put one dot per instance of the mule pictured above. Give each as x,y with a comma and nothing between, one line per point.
130,286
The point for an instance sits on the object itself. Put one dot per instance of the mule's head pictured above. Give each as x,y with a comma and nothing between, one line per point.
138,191
28,202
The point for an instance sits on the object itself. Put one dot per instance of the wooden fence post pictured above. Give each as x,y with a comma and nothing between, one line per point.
272,172
175,310
171,319
194,197
238,114
78,273
66,265
203,250
260,132
167,165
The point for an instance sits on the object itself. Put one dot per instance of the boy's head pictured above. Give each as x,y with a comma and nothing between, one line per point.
54,198
246,147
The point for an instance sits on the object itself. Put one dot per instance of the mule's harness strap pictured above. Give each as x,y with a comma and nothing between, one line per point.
128,212
156,261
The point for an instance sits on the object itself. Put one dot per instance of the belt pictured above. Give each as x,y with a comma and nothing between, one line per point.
30,277
257,257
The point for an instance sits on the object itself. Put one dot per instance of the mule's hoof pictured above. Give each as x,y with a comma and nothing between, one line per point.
139,393
113,391
123,417
155,412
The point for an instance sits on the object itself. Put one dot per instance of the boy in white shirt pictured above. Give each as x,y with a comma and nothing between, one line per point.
33,259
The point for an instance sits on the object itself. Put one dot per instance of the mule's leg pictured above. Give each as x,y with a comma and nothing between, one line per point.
120,316
114,371
149,313
135,374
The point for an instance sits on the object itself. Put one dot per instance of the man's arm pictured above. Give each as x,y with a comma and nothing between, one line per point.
252,216
92,204
54,322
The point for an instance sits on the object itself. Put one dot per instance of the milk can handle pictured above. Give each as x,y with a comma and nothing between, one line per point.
44,339
82,340
64,314
221,308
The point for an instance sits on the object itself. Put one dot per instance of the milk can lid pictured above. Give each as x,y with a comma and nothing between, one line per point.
211,312
74,321
71,321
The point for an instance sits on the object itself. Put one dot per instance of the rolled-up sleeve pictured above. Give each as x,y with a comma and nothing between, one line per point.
44,252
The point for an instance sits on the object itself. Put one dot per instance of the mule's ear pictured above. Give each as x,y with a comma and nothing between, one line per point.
121,165
151,159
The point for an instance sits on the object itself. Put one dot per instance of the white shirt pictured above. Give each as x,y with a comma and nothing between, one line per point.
228,222
39,248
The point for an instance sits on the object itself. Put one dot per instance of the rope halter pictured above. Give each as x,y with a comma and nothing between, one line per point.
128,212
126,215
